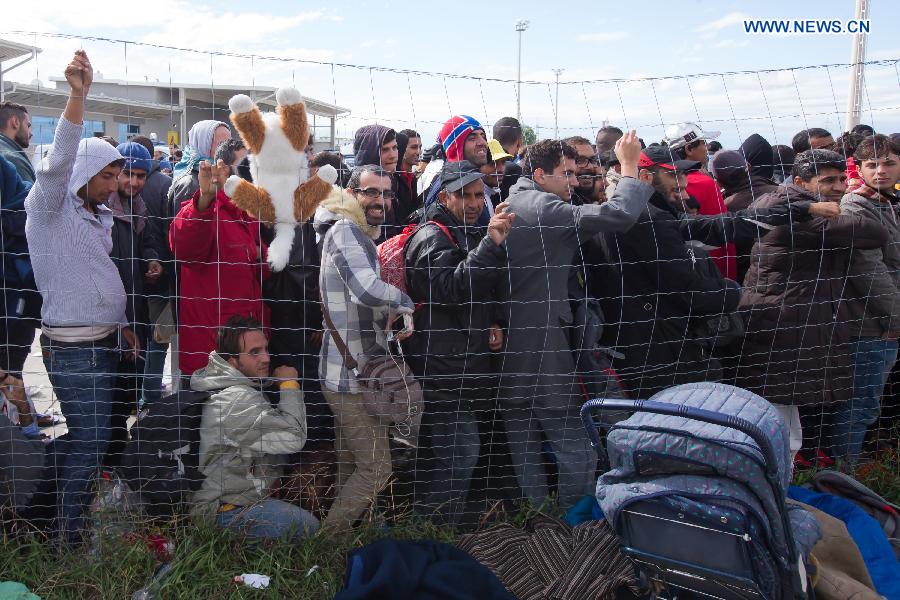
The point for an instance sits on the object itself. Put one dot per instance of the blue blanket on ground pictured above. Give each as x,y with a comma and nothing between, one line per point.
876,551
418,570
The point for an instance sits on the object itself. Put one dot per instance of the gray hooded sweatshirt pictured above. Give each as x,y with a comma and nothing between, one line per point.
69,245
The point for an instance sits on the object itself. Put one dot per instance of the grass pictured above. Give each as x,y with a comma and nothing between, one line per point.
207,558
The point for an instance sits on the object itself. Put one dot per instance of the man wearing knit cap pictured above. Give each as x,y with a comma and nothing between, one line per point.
83,314
462,138
137,258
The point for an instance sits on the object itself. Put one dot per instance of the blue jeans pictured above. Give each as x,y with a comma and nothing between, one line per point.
82,377
154,364
873,359
269,518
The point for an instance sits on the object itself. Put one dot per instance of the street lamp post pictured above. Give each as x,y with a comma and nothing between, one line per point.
857,70
556,105
521,26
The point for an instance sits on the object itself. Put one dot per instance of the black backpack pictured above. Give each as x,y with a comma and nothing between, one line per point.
161,461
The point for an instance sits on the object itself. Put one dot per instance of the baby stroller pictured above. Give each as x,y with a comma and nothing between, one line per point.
696,493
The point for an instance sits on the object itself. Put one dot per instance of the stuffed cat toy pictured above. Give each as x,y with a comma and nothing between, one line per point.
282,194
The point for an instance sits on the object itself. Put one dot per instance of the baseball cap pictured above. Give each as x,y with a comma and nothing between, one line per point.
682,134
136,156
457,175
661,156
497,151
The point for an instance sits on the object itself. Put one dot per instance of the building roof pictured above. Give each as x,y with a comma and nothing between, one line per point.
45,97
13,50
221,93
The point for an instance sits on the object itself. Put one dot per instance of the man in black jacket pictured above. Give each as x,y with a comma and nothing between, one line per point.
452,268
660,286
155,194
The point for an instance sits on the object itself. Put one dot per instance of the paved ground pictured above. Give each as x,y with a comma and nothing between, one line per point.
41,392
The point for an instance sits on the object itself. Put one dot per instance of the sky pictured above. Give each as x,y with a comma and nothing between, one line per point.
461,58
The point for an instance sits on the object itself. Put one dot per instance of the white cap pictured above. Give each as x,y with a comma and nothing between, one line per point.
678,136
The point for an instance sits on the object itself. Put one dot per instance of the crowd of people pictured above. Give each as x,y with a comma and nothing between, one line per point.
536,276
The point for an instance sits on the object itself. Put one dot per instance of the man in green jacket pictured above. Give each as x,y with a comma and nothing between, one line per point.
242,436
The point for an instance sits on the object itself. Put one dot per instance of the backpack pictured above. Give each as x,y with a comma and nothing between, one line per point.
392,254
161,460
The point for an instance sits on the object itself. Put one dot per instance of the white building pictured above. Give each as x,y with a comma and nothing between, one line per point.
122,109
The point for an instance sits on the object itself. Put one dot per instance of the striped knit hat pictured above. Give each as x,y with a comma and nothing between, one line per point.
453,135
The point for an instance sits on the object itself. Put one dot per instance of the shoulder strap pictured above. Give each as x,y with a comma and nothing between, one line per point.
446,231
338,340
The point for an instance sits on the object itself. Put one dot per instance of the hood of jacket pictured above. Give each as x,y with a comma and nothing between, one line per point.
367,144
217,375
525,184
750,184
340,204
758,152
92,156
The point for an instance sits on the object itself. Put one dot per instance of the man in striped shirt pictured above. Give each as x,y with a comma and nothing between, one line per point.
83,313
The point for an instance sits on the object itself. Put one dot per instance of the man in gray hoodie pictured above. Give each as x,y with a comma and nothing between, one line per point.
83,314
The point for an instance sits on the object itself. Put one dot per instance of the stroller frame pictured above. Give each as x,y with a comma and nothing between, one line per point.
726,569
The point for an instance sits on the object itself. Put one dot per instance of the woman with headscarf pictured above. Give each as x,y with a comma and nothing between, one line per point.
203,139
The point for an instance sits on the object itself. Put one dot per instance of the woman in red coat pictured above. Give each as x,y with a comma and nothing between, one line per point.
222,260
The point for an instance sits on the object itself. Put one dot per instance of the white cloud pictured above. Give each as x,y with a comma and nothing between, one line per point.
605,36
720,24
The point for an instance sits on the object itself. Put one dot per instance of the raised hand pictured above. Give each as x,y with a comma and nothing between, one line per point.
628,151
79,73
211,180
500,224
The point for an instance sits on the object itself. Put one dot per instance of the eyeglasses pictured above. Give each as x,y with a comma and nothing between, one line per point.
376,193
583,161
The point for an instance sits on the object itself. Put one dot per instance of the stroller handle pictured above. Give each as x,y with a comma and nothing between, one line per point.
679,410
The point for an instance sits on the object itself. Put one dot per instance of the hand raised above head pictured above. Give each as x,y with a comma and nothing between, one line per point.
628,151
79,73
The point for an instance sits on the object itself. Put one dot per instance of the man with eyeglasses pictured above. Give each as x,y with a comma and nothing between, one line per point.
586,167
357,302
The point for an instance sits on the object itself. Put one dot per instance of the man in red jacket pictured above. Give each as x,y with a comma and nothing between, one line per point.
222,260
688,142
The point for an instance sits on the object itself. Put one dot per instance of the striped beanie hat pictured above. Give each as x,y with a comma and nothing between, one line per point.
453,135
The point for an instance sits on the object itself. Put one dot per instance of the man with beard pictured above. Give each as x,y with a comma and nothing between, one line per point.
586,168
15,136
21,302
355,303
